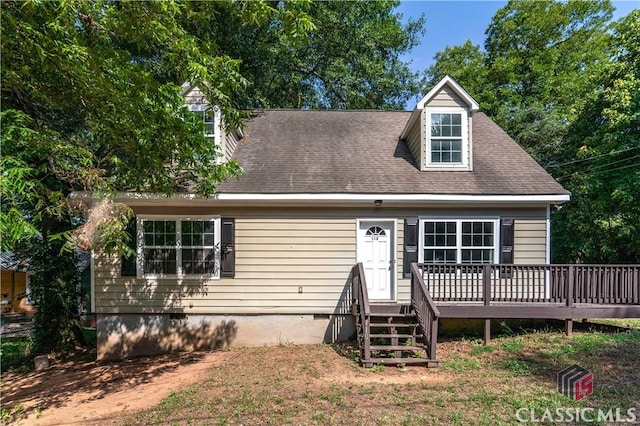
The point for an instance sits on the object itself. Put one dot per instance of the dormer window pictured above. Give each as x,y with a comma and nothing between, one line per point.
438,132
447,138
211,126
208,118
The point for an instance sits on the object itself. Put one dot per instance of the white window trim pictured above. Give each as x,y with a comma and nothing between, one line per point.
464,119
459,220
178,246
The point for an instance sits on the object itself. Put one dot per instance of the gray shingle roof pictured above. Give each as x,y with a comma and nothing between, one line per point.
299,151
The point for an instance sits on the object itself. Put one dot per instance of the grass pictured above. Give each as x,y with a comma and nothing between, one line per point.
474,384
15,354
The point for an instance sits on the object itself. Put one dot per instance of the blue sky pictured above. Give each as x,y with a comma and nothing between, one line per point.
471,19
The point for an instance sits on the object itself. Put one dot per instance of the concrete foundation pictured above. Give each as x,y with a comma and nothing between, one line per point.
129,335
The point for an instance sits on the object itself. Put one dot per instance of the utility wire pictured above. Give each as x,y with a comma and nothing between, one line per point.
591,158
600,166
603,171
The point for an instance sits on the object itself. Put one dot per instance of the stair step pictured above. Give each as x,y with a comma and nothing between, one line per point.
391,314
392,324
395,348
390,336
407,361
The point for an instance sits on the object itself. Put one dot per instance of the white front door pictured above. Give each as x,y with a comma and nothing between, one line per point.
375,251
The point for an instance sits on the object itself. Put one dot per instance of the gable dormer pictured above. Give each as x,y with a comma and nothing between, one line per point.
438,132
212,123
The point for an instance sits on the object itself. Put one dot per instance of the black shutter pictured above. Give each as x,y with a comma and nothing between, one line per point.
410,244
128,263
506,241
228,252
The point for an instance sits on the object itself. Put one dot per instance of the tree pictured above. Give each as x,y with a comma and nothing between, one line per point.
465,63
91,100
537,52
602,223
565,88
350,59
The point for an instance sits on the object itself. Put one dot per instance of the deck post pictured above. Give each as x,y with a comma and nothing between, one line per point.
568,326
434,339
487,332
486,282
570,286
568,323
486,278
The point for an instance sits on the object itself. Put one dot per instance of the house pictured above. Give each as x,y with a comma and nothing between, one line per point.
14,284
16,277
269,258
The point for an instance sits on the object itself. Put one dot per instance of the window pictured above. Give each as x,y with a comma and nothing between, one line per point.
459,241
179,246
446,138
375,231
447,142
208,118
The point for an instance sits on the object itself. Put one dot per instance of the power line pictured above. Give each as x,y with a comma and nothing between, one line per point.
602,171
600,166
591,158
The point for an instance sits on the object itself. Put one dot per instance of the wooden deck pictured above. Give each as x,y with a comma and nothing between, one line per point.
494,291
533,291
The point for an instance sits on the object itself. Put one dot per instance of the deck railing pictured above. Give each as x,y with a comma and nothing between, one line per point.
426,311
562,284
361,309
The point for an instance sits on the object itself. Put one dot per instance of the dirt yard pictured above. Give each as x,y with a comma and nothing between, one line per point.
91,393
323,385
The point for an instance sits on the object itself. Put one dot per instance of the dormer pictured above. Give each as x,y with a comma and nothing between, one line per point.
438,132
212,124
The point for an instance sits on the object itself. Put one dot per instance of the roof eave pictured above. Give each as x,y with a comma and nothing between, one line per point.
362,198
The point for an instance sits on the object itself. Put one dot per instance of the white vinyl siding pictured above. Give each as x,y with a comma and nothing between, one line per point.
414,142
283,265
288,261
447,97
231,141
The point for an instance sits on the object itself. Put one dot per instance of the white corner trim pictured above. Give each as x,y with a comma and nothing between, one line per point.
456,87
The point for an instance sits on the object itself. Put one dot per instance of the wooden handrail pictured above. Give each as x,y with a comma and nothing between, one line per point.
361,295
415,271
426,311
361,308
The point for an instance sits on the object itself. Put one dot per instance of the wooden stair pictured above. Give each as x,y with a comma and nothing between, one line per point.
392,337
